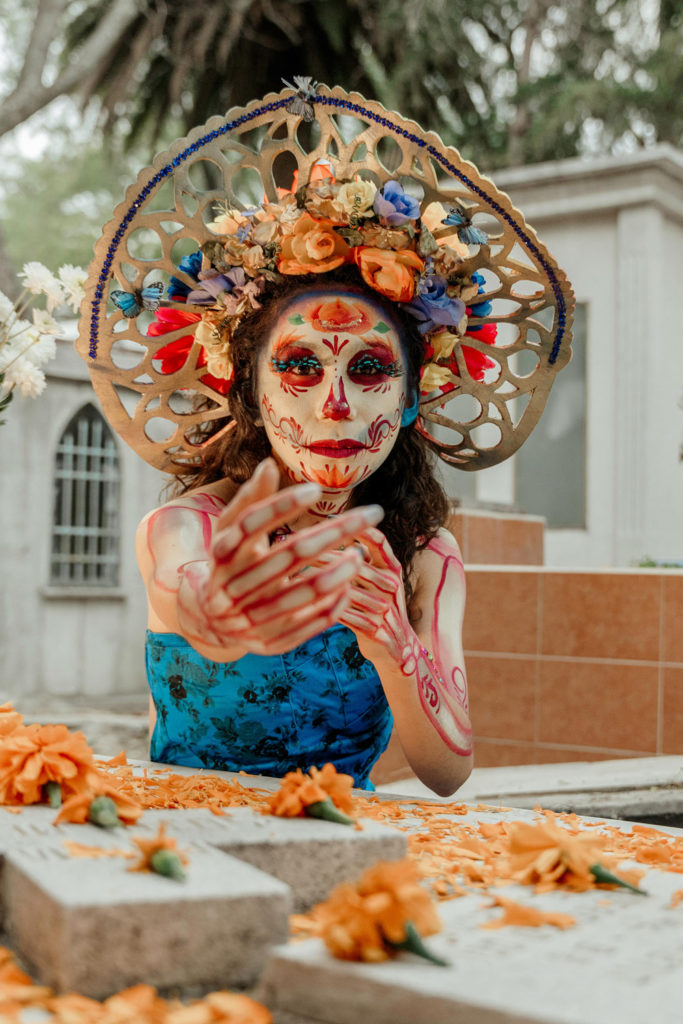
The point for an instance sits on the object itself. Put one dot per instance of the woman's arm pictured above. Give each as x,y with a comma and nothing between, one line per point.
212,575
422,670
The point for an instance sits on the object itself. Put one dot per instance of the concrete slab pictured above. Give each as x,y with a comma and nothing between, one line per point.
309,855
92,926
646,789
620,962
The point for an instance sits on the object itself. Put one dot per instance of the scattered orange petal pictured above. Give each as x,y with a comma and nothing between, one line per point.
676,898
526,917
82,850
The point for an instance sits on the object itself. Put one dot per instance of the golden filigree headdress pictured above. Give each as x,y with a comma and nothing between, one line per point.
301,183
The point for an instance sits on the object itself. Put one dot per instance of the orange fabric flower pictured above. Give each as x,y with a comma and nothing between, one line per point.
526,917
148,847
314,247
357,922
298,790
32,755
390,273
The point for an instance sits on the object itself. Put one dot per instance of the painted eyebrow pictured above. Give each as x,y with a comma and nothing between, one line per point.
376,341
285,340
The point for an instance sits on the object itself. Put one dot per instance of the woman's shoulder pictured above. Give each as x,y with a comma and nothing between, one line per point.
441,547
209,499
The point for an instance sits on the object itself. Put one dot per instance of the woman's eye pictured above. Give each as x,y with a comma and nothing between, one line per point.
371,366
299,366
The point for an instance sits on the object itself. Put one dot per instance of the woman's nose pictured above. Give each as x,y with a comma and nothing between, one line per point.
336,406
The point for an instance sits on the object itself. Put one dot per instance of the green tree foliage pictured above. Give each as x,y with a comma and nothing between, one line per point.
52,210
507,81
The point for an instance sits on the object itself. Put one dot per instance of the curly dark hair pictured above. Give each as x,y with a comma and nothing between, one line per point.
415,506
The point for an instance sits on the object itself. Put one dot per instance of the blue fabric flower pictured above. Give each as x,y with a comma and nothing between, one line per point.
191,265
394,206
481,308
213,284
433,307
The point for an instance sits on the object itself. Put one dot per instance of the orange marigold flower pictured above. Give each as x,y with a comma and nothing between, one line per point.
336,784
298,791
361,921
149,847
32,755
545,852
390,273
76,809
9,719
314,247
221,1008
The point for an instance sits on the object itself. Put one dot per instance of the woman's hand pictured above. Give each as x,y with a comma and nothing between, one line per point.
255,594
377,610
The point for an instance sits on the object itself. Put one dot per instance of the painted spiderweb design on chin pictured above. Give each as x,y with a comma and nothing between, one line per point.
497,378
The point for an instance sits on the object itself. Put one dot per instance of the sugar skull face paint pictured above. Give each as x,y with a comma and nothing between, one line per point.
331,388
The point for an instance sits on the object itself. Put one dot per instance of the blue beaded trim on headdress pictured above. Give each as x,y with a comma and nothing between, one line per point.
355,108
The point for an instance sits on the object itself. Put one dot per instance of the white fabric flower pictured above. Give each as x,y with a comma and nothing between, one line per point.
40,281
43,349
29,380
15,339
7,310
73,281
44,322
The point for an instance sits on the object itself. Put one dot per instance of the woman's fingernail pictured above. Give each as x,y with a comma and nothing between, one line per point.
308,492
373,513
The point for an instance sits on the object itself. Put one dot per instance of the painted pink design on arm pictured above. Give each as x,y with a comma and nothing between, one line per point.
443,694
161,530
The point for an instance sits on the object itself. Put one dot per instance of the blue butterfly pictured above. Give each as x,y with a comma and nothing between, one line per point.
132,303
467,233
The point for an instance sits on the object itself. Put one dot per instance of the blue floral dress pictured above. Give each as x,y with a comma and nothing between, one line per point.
267,715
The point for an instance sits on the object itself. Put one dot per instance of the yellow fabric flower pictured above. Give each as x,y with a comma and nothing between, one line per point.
434,377
356,198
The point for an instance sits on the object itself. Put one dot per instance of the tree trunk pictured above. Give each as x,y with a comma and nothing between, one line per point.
532,23
9,283
30,95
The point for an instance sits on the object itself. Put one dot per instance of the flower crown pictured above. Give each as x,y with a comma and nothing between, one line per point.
417,258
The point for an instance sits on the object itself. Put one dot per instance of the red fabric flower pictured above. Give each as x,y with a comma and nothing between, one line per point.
172,357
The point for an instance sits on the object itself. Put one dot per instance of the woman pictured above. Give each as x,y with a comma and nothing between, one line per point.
326,380
303,591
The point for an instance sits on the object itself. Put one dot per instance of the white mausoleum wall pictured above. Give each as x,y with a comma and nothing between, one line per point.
64,640
616,227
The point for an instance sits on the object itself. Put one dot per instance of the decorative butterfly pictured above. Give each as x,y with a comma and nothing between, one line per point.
132,303
467,232
300,104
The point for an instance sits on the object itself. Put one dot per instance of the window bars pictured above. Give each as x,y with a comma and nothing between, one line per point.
85,532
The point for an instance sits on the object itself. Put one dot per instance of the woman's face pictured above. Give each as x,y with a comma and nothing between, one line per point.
331,388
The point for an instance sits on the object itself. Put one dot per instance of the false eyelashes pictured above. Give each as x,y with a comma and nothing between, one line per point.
364,366
304,365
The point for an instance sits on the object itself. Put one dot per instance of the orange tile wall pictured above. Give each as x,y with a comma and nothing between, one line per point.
567,666
570,665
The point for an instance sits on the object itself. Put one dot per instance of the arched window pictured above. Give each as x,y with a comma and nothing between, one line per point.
85,532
